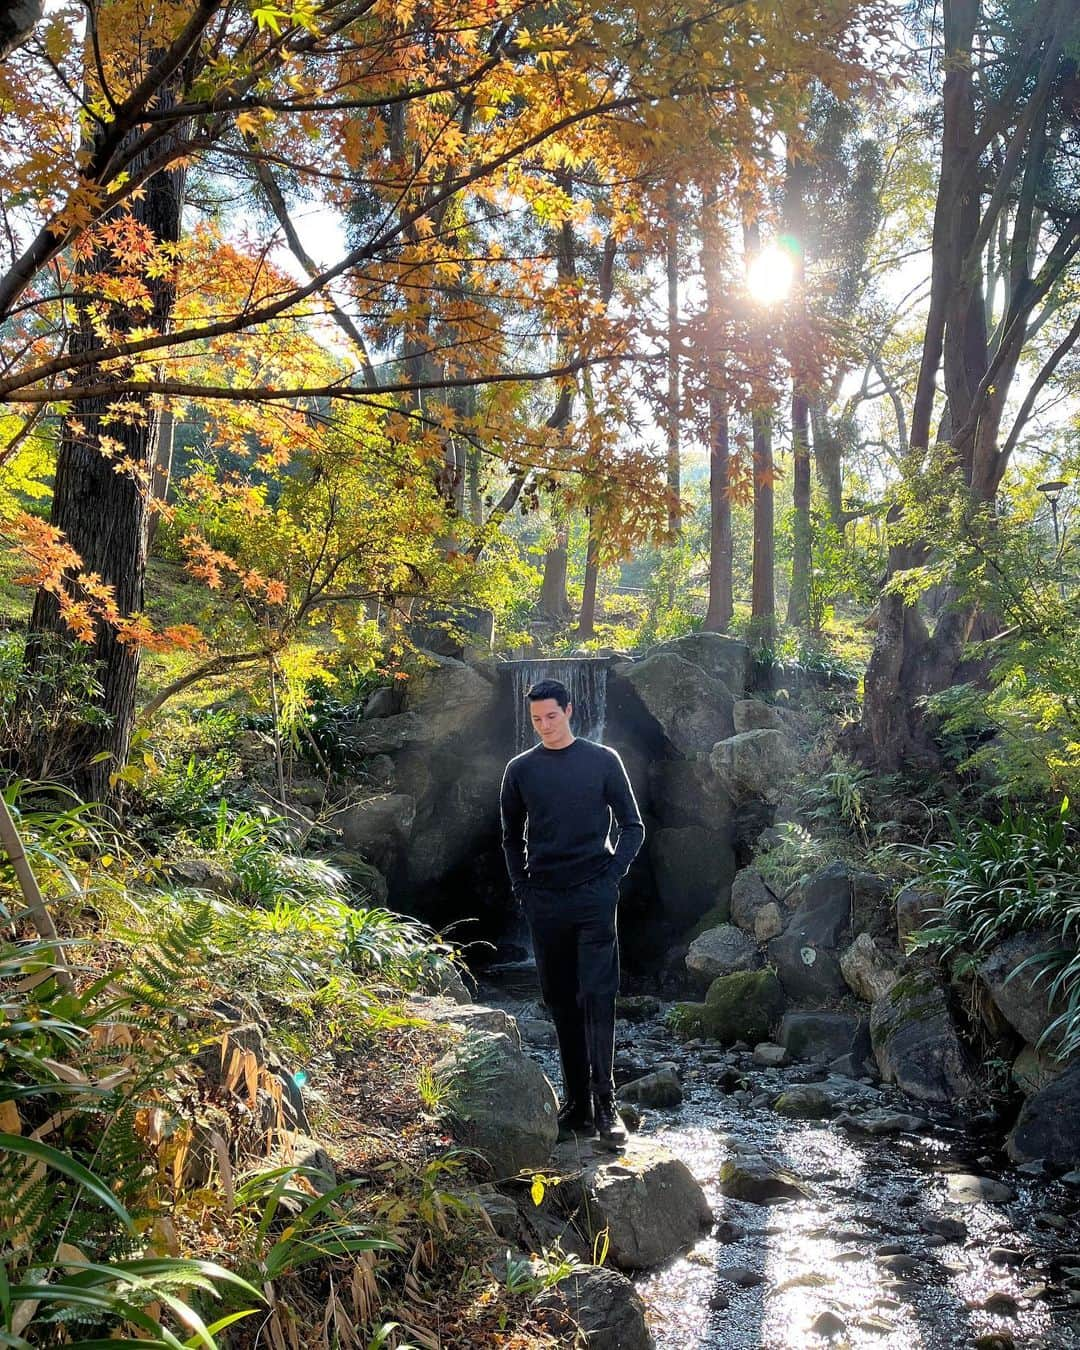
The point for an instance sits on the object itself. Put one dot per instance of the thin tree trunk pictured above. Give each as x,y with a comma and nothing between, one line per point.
587,620
721,605
763,583
104,516
554,601
674,476
798,611
828,464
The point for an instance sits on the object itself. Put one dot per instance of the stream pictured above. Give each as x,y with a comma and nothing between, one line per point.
882,1253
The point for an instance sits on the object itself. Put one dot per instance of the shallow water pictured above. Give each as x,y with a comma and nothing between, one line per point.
822,1255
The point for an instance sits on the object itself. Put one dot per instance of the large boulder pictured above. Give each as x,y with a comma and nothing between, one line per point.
687,792
386,735
1032,1070
723,658
1022,995
806,954
1048,1126
446,1009
754,907
916,1044
648,1200
450,698
692,871
378,828
869,973
750,714
758,1180
691,708
721,951
739,1007
503,1105
457,808
601,1303
824,1035
754,764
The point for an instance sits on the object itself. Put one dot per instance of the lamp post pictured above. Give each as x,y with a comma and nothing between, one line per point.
1052,492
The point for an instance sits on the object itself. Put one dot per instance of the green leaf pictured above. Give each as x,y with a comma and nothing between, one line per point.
63,1162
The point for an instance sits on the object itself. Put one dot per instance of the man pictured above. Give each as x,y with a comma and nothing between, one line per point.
558,803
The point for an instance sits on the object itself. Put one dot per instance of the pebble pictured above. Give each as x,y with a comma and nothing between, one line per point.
1005,1256
1000,1304
727,1231
952,1230
719,1301
743,1276
828,1324
901,1263
967,1189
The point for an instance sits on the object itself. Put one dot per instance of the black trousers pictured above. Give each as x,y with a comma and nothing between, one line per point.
577,959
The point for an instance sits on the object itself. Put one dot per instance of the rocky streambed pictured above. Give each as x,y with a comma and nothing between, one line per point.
843,1213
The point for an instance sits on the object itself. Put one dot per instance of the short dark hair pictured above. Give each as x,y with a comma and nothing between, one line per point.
549,689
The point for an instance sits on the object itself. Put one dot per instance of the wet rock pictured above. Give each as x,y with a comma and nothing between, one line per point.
824,1035
1005,1256
753,1178
1001,1305
868,971
754,765
727,1232
719,1301
743,1276
648,1201
828,1324
637,1007
967,1189
915,907
738,1007
721,657
599,1301
804,1102
655,1089
750,714
378,827
1032,1070
901,1264
538,1033
916,1044
754,907
770,1056
505,1108
692,868
882,1122
690,707
722,951
952,1230
1049,1123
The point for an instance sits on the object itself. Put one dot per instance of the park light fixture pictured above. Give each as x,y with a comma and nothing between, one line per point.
1052,492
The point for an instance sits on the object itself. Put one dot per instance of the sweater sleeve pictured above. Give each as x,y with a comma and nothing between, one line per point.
621,799
512,814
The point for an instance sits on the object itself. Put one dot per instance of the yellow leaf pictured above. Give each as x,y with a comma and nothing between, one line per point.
537,1191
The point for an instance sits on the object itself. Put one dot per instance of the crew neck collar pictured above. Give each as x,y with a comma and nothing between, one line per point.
561,750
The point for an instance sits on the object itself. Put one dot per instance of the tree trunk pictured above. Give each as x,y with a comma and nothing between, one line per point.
721,606
17,20
798,611
828,464
673,396
554,602
587,620
104,517
763,585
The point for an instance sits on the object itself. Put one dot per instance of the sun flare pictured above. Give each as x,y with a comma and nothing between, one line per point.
770,275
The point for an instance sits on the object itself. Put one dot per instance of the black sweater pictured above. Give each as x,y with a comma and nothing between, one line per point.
557,810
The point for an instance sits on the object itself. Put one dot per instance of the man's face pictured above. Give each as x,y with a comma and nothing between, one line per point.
551,723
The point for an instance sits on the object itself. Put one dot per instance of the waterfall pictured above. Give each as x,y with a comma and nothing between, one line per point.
585,679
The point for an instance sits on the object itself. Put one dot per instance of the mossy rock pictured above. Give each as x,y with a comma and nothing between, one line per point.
738,1007
712,918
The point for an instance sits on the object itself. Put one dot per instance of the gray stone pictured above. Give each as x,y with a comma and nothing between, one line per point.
466,1017
661,1088
754,765
637,1007
804,1101
744,1276
648,1201
738,1007
450,698
503,1105
915,908
770,1056
692,709
823,1035
723,658
1032,1070
1049,1123
722,951
456,797
806,953
916,1044
692,869
601,1303
378,827
1021,996
868,972
753,1178
965,1188
688,792
750,714
538,1032
387,735
754,907
293,1149
879,1121
201,874
381,702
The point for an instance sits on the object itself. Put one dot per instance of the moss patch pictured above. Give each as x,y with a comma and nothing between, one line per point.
738,1007
712,918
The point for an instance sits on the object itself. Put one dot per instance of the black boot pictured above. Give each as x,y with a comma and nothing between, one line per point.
576,1117
609,1123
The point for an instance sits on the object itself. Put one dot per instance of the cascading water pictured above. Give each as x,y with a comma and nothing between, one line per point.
585,679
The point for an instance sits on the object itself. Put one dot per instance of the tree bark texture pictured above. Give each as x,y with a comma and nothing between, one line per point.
798,610
721,554
674,475
587,619
763,583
